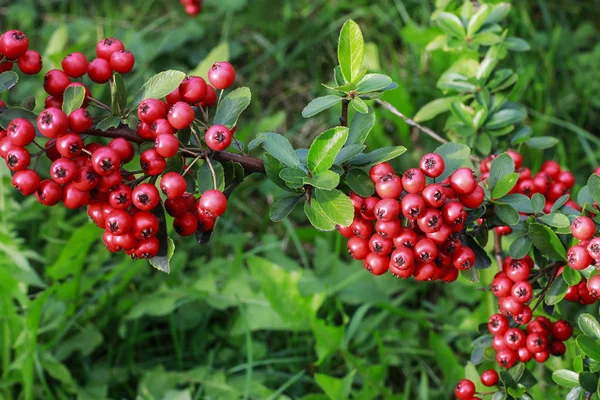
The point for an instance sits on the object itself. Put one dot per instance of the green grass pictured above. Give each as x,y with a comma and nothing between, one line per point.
302,321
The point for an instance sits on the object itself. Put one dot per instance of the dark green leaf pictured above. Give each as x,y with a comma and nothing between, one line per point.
589,347
159,86
167,247
538,201
293,177
589,325
501,166
205,176
556,220
273,167
520,247
542,142
557,291
73,99
506,117
561,201
507,213
565,378
360,182
320,104
594,187
455,156
589,381
348,152
505,185
482,259
8,79
571,276
325,148
360,127
282,207
28,103
232,106
108,122
385,154
359,105
280,148
118,93
547,241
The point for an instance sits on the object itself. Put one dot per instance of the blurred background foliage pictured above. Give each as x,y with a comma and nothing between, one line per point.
265,311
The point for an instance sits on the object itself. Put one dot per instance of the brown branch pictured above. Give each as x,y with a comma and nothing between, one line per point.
344,117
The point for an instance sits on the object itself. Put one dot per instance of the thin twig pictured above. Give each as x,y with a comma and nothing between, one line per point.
554,268
344,117
212,171
498,251
98,103
191,165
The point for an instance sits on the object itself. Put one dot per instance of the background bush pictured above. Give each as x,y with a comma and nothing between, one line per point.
77,322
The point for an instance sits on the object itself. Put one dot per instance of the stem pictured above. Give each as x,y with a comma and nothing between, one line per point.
344,118
498,251
554,268
98,103
191,165
212,171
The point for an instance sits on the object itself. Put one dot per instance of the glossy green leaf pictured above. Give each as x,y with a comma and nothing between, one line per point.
556,220
538,201
506,117
335,205
118,94
232,106
436,107
280,148
501,166
520,247
507,213
589,326
8,79
547,241
320,104
478,19
542,142
385,154
589,347
159,86
505,185
325,148
557,291
351,51
373,83
327,180
360,127
348,152
73,99
317,217
450,24
516,44
565,378
594,187
282,207
272,168
108,123
359,105
360,182
571,276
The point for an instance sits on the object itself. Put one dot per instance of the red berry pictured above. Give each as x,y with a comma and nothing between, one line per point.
537,342
465,389
26,181
452,213
387,210
522,291
376,264
517,270
498,324
502,286
499,343
506,358
593,248
434,195
147,248
432,165
145,197
192,89
166,145
474,199
74,198
80,120
52,122
105,161
63,170
144,225
387,229
557,349
13,44
30,62
402,258
210,99
218,137
489,377
221,75
552,168
463,181
48,193
380,245
367,210
345,231
55,82
173,97
99,70
441,235
122,61
181,115
583,228
524,317
123,148
515,338
5,146
186,225
562,330
358,248
405,238
105,48
173,185
463,259
120,197
425,251
362,228
579,258
109,181
75,65
161,127
118,222
389,187
69,145
508,305
152,163
17,158
213,203
21,132
413,181
431,221
150,110
413,206
524,355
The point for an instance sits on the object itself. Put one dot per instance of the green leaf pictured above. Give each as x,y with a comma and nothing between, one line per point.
334,388
28,103
360,127
445,355
159,86
320,104
293,177
482,259
162,260
589,381
507,213
501,166
219,53
373,83
359,105
385,154
108,122
505,118
488,63
280,148
520,202
348,152
538,201
205,177
436,107
58,41
455,156
577,393
594,187
73,99
557,291
326,180
561,201
273,167
282,207
351,51
478,19
505,185
516,44
499,12
565,378
232,106
589,326
547,241
450,24
335,205
325,148
542,142
8,79
520,247
9,114
339,76
118,93
589,347
317,217
571,276
556,220
460,111
360,182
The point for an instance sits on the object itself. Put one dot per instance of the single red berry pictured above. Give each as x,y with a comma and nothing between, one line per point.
6,65
105,161
432,165
380,170
380,245
173,185
52,122
74,198
17,158
425,250
145,225
463,181
515,338
30,63
594,286
578,257
441,235
166,145
387,229
105,48
537,342
145,197
109,181
147,248
123,148
173,97
99,70
75,65
55,82
463,259
593,248
498,324
524,317
413,181
48,193
69,145
517,270
402,258
122,61
522,291
474,199
119,222
205,222
434,195
376,264
562,330
566,178
362,228
86,179
387,209
13,44
161,127
509,306
26,181
452,213
431,221
583,228
210,98
125,242
176,207
557,348
502,286
499,343
345,231
181,115
358,248
186,225
212,202
389,187
221,75
80,120
552,168
120,197
152,163
465,389
506,358
405,238
357,202
218,137
524,355
192,89
5,146
489,377
63,170
21,132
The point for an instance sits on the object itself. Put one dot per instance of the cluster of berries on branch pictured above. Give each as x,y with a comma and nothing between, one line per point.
465,388
14,49
415,228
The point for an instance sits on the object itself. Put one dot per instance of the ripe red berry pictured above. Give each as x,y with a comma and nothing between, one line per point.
562,330
144,225
145,197
80,120
463,259
515,338
345,231
594,286
557,348
489,377
380,245
13,44
452,213
413,181
499,343
387,229
405,238
524,355
173,97
522,291
21,132
425,251
181,115
52,122
432,165
524,316
166,145
26,181
48,193
502,286
69,145
192,89
109,181
517,270
221,75
88,93
118,222
120,197
593,248
5,146
376,264
509,306
63,170
213,203
17,158
173,185
99,70
362,228
210,99
122,61
387,209
441,235
430,221
30,63
150,110
506,358
152,163
358,248
465,389
147,248
105,48
185,225
583,228
474,199
434,195
380,170
123,148
55,82
74,198
105,161
578,257
552,168
537,342
463,181
402,258
218,137
75,65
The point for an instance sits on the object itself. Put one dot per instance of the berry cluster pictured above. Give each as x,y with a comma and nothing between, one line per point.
411,227
587,251
540,339
513,290
14,48
582,294
192,7
94,174
465,388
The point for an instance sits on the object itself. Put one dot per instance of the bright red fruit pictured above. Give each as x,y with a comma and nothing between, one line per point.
30,62
218,137
212,202
221,75
13,44
75,65
122,61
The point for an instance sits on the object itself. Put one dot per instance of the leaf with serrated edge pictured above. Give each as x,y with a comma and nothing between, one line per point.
159,86
232,106
280,148
325,148
73,99
335,205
